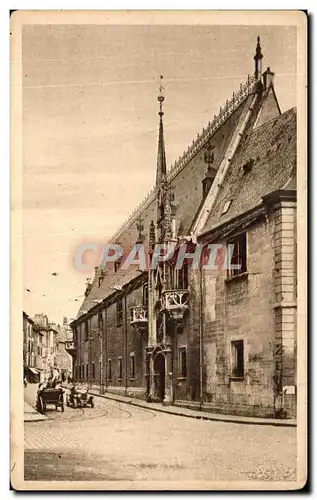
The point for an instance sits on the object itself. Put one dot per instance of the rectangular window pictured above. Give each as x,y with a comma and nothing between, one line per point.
109,370
120,368
100,320
182,277
237,353
87,368
93,371
145,295
182,358
119,312
132,366
238,255
86,330
83,372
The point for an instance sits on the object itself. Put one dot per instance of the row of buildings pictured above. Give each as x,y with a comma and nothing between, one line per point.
219,340
44,348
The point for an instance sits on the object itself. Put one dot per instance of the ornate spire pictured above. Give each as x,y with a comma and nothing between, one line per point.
161,159
211,173
258,60
152,235
140,228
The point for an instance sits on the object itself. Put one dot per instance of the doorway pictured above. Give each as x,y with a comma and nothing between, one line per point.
159,370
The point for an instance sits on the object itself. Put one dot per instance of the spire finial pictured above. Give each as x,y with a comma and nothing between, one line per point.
258,50
258,60
161,97
161,160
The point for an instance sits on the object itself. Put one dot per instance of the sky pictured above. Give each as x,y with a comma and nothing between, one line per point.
90,125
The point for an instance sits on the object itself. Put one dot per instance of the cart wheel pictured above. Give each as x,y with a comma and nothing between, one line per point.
92,403
39,405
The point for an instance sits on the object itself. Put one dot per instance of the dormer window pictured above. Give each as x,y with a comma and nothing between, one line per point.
100,320
119,307
226,207
247,167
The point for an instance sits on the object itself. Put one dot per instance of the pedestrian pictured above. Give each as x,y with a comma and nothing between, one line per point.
50,384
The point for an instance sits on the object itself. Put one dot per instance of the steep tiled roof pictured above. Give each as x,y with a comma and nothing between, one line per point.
111,279
265,162
185,180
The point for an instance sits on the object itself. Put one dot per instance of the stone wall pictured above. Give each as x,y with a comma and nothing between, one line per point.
240,308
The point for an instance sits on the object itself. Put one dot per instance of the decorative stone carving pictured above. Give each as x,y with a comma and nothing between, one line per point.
139,317
175,303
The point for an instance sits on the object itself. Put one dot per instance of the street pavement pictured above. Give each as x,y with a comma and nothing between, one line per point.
116,441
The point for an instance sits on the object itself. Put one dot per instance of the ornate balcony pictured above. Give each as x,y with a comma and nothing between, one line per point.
175,303
70,348
139,317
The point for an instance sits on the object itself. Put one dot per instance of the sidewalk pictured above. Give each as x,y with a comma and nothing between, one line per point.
31,415
185,412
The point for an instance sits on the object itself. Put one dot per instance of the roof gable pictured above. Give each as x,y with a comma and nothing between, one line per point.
265,162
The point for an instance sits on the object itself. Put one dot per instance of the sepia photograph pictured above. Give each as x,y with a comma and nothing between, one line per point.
158,219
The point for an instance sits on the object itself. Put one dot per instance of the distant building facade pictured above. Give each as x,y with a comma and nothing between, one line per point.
222,340
63,358
30,342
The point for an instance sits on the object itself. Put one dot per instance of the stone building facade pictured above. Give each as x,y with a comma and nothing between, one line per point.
30,349
218,339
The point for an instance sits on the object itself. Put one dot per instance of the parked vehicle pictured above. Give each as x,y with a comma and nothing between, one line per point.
79,398
49,396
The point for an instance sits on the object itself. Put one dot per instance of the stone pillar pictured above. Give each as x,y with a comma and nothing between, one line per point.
285,288
150,385
168,399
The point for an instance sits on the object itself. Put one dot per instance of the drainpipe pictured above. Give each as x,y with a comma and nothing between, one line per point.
200,338
126,342
101,333
89,355
106,348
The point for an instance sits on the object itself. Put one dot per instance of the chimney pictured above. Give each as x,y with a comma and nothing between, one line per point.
268,79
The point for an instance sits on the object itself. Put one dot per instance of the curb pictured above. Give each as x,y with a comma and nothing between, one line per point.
212,418
33,415
37,419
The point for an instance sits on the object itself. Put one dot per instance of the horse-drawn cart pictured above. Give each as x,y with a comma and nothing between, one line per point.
49,396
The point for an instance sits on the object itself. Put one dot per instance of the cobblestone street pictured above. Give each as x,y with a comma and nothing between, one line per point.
116,441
